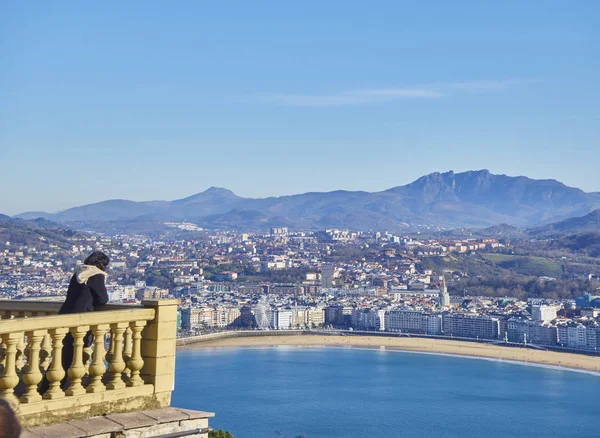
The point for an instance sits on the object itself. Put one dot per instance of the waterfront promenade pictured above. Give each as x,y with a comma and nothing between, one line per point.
511,352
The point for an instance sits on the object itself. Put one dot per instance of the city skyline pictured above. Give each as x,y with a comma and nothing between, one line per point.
272,100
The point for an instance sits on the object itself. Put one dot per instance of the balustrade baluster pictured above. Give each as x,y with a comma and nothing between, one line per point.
127,346
136,362
10,378
77,368
98,368
117,365
2,356
87,358
21,354
56,373
46,352
33,375
111,347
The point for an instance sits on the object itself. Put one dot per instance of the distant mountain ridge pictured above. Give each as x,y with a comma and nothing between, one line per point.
39,233
448,200
584,224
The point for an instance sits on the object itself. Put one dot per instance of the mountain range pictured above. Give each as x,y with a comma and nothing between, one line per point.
38,233
584,224
445,200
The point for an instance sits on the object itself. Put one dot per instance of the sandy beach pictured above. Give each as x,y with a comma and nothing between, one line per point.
551,358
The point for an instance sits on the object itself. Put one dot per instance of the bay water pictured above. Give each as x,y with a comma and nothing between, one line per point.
319,392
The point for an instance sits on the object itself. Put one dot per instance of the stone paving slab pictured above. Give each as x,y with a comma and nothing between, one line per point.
60,430
166,415
194,415
96,425
132,420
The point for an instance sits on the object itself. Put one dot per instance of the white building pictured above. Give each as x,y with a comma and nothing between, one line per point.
121,293
444,297
545,313
196,317
367,319
471,326
311,276
432,324
579,337
327,276
279,231
316,316
407,321
534,332
381,314
272,265
299,316
281,319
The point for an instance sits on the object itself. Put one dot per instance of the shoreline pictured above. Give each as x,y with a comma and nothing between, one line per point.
557,360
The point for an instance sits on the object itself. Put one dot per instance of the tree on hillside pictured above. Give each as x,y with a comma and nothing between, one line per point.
220,434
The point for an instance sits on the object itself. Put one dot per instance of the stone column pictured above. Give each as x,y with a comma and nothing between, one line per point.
158,348
10,378
136,362
77,369
98,368
33,375
56,373
117,364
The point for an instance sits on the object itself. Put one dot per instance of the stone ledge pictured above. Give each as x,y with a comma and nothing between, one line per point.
141,423
195,415
96,425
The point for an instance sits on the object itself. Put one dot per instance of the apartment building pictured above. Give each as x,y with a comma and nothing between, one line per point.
470,326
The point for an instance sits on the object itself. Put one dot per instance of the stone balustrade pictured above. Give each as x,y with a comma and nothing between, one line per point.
23,309
123,359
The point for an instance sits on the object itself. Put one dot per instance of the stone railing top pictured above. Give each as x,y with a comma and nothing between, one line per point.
50,307
75,319
30,306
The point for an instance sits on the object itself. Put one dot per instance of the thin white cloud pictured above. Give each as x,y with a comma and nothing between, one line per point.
315,100
396,92
490,85
352,97
376,95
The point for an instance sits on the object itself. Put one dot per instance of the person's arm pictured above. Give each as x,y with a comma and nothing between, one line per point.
98,289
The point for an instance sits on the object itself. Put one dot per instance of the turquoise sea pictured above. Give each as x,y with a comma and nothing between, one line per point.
311,392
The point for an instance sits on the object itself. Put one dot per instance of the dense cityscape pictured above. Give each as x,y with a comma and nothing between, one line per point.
303,280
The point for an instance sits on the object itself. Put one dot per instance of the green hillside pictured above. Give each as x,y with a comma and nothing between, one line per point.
526,265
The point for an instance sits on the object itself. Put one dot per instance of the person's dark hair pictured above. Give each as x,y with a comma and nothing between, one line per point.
9,425
98,259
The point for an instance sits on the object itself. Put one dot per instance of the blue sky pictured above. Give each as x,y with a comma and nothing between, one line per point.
150,100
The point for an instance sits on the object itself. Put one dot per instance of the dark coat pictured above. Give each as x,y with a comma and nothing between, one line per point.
85,296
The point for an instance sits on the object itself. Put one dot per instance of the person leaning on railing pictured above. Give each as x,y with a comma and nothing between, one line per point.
87,290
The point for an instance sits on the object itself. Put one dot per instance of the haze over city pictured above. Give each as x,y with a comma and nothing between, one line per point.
267,99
